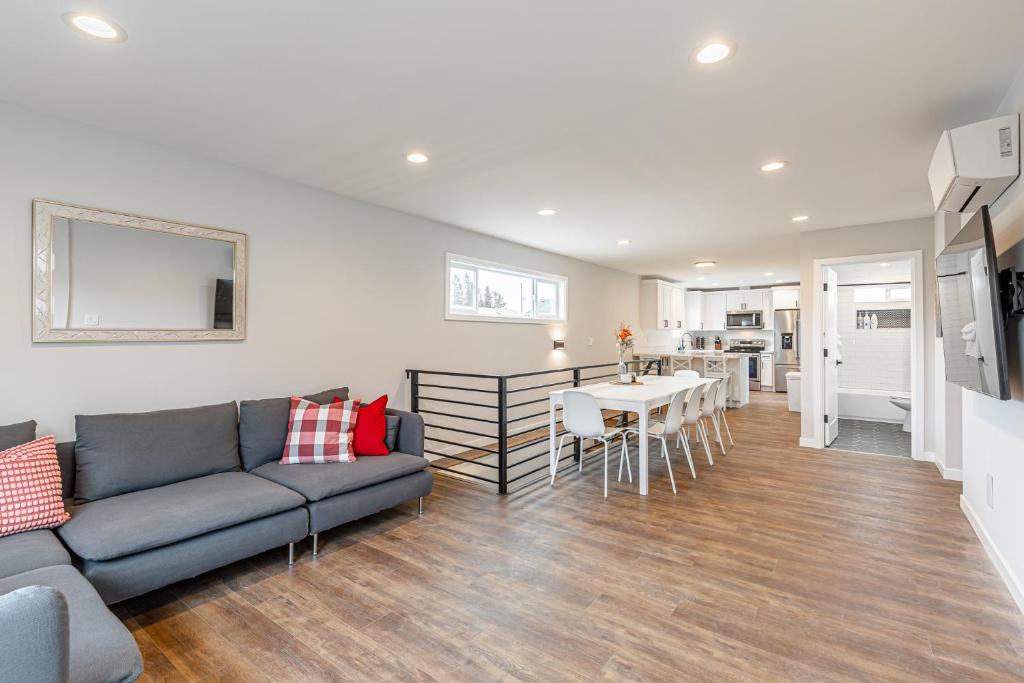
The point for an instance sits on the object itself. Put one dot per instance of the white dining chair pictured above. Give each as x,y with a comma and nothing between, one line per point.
721,405
707,410
688,374
582,418
673,424
692,419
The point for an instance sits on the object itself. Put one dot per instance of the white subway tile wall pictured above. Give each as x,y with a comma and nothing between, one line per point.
955,300
872,359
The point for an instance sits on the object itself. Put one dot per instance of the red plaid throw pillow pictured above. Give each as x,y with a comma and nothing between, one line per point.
320,433
30,487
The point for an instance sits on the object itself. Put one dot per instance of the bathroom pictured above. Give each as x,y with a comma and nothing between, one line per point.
874,363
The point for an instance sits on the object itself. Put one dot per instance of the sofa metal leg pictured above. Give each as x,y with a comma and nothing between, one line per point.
291,554
421,506
316,547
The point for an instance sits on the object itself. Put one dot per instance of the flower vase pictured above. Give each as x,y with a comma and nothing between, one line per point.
623,370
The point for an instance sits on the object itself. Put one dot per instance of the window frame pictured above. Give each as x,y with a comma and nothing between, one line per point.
462,262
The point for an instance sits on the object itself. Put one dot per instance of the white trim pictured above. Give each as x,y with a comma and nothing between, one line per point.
949,472
560,281
917,397
1013,584
808,442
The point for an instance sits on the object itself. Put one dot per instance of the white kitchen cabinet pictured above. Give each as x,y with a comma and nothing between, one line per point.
745,300
715,308
767,371
694,311
785,297
734,300
662,306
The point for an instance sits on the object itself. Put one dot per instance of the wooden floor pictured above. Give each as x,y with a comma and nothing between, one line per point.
778,564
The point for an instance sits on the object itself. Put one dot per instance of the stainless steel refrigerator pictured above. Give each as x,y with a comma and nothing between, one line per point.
787,345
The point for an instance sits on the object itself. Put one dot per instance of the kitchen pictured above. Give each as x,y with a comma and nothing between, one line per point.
753,334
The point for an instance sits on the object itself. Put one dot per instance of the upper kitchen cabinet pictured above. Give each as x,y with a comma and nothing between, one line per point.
662,306
785,297
694,310
715,307
746,300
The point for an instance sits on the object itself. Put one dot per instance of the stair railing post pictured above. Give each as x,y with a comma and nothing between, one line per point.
414,391
577,443
502,436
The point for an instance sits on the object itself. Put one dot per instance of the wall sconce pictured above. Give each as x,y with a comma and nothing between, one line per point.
559,345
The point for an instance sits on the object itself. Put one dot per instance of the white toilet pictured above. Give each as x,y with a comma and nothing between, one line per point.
904,404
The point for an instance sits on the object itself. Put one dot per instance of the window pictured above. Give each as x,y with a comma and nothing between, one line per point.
481,290
880,294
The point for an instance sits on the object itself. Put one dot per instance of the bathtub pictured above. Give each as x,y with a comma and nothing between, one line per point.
870,404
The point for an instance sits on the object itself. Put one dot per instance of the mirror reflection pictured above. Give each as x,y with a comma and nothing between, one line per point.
116,278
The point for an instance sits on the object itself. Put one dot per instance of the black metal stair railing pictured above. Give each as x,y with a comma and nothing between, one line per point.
494,428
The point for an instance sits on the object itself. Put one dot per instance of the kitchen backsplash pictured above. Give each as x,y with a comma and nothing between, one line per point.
872,358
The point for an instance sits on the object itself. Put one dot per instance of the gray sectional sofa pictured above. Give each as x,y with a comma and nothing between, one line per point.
164,496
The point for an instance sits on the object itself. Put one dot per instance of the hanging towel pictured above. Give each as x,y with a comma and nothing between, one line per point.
969,334
839,349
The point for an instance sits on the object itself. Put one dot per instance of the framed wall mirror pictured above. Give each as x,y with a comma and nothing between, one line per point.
103,276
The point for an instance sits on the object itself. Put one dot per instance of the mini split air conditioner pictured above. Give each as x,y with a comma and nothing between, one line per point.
974,164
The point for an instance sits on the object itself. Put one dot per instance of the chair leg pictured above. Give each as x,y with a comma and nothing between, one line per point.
316,544
718,433
558,457
703,438
605,469
668,462
582,452
689,459
625,454
728,431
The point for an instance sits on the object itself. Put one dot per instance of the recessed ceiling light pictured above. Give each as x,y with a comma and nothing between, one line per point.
95,27
714,284
884,265
778,282
715,52
705,264
800,219
700,279
546,212
774,166
769,274
417,158
623,243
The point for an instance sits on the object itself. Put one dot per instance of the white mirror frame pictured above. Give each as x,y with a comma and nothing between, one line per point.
43,213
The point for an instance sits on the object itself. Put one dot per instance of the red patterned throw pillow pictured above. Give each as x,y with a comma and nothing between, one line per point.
30,487
320,433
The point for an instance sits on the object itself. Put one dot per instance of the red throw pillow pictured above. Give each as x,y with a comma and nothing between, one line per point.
318,434
30,487
372,428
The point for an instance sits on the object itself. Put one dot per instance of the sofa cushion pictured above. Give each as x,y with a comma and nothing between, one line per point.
320,481
126,452
391,435
17,434
101,648
263,426
30,487
30,550
134,522
36,643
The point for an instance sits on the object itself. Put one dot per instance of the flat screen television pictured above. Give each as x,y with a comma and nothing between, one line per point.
971,320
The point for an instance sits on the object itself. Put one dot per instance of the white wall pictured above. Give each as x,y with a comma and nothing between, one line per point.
872,359
993,431
864,240
340,292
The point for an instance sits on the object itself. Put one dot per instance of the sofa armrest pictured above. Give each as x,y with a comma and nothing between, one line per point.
410,432
34,624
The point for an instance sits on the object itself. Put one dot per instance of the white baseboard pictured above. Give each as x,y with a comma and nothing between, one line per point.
1013,584
949,472
927,456
808,442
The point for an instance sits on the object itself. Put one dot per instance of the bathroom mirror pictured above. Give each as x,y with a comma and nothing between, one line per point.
107,276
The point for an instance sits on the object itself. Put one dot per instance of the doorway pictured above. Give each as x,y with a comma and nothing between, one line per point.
870,354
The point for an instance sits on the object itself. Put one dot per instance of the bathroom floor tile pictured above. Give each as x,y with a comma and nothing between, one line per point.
864,436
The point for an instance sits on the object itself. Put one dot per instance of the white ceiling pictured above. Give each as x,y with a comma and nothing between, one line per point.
592,107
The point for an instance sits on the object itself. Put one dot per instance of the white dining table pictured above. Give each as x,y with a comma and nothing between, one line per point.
656,391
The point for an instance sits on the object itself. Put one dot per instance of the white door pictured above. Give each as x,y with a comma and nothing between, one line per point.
830,308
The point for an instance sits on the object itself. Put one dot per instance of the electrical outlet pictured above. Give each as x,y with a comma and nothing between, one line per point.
990,491
92,319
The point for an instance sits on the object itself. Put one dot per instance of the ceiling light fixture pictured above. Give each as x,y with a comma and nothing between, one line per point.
546,212
768,274
417,158
623,243
884,265
700,279
715,52
707,263
800,219
96,27
778,282
772,166
714,284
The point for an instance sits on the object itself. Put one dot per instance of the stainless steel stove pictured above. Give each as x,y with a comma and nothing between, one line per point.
753,347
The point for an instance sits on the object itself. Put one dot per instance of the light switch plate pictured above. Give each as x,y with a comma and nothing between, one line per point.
990,493
92,319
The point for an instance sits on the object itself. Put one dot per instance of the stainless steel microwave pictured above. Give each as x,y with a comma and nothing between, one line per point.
744,320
